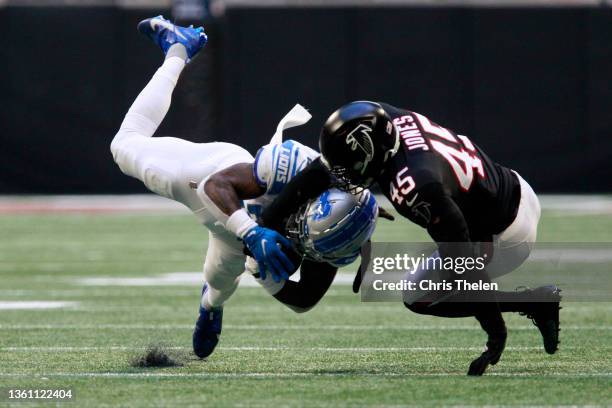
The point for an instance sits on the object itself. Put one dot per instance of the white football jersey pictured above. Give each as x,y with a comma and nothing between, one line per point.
275,165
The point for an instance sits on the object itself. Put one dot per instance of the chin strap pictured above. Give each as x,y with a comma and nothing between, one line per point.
382,213
366,253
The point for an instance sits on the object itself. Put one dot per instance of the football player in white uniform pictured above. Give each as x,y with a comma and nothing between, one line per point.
214,180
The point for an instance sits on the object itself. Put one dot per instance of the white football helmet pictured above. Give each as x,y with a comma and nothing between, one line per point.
333,227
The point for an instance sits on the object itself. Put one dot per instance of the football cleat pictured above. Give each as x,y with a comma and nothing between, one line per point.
164,33
207,330
544,313
495,347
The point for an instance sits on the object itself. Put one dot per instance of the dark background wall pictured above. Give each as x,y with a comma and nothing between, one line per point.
531,86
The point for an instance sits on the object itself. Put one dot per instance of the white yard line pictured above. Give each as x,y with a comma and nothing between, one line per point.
571,255
70,349
290,375
577,204
99,292
272,327
35,305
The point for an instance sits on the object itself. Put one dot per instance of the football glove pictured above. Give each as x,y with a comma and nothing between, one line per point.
266,246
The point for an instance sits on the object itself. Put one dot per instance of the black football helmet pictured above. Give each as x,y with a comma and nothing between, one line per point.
356,142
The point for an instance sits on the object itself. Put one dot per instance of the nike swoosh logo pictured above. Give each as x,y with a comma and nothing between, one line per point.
413,200
166,25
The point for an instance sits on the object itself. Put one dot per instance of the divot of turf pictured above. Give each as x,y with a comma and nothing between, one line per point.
155,356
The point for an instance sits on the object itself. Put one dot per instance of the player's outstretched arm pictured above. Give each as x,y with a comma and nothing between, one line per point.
226,188
315,280
222,193
306,185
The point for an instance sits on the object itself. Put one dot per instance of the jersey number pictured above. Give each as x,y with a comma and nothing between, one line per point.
464,161
405,184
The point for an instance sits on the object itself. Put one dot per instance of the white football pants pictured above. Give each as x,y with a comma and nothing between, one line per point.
511,247
168,165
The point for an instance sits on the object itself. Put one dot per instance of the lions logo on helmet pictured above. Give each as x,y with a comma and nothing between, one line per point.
333,227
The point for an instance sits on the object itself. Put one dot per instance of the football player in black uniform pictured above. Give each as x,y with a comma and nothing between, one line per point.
445,183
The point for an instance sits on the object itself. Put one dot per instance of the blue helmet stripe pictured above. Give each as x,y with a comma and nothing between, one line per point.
358,224
344,235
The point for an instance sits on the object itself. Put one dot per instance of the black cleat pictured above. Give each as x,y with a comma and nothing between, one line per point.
544,313
495,347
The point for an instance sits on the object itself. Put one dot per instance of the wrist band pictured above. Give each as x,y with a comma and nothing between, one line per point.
240,222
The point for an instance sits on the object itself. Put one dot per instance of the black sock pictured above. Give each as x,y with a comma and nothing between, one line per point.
490,318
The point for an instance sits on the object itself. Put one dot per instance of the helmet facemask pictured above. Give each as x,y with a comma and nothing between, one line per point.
295,228
311,227
344,181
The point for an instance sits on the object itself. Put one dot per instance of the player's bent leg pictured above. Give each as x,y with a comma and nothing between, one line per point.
132,145
488,315
513,247
222,269
179,44
166,165
454,304
490,318
152,104
431,302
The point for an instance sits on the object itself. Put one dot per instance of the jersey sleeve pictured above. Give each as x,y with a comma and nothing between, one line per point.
276,164
262,167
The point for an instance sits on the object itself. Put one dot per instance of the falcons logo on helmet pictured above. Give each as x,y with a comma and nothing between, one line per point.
359,138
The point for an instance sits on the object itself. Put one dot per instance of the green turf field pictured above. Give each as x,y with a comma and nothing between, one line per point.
342,353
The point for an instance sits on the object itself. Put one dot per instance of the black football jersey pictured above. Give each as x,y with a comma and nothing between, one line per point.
436,170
